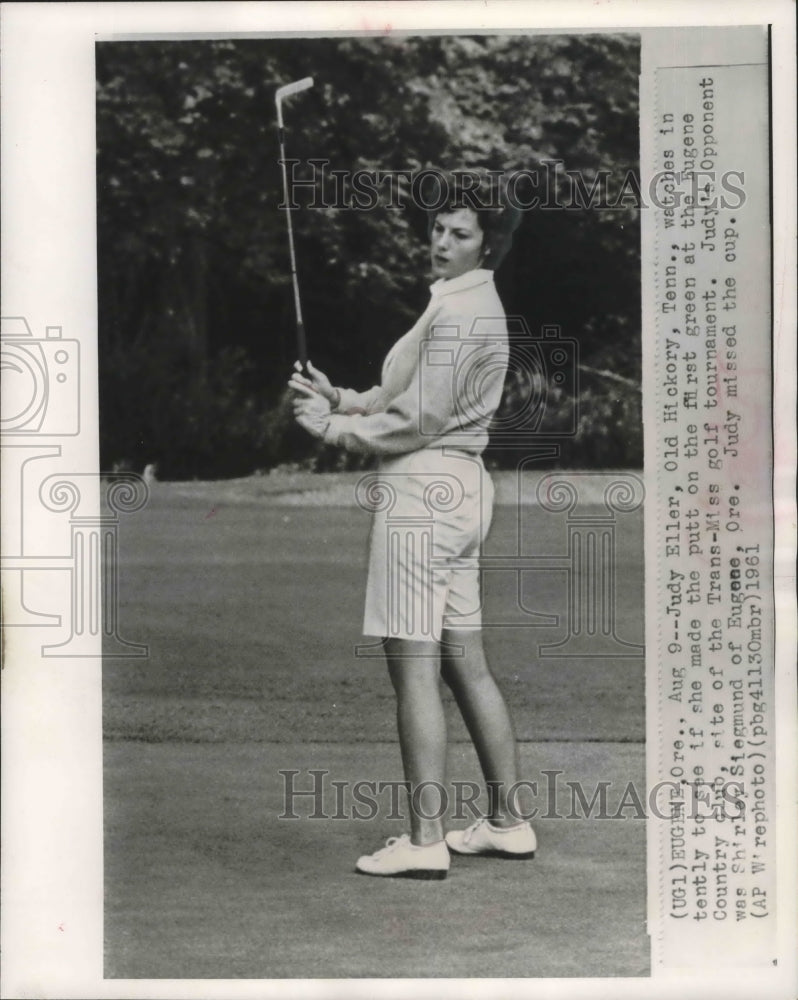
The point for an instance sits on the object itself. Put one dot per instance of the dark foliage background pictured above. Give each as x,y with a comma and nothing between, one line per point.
196,312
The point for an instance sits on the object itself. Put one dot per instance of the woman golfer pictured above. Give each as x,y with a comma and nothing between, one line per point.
428,423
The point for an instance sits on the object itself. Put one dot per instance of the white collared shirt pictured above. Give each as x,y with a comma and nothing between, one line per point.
441,382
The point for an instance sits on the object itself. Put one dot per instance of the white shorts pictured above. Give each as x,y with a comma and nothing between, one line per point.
431,511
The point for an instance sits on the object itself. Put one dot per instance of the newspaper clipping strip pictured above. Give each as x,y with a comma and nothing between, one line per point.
711,637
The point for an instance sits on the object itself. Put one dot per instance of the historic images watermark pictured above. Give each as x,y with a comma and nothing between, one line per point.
548,187
540,399
314,794
42,404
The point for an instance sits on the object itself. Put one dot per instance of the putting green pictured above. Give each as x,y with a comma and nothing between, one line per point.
204,880
250,601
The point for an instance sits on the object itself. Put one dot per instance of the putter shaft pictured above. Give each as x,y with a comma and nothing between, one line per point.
288,90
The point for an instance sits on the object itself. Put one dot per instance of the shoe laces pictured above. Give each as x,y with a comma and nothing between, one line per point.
391,844
469,833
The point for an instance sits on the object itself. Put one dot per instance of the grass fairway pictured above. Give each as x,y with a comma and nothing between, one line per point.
251,606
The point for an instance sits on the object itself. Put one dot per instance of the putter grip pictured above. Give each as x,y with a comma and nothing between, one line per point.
301,344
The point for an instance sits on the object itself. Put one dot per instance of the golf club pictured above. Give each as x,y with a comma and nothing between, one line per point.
288,90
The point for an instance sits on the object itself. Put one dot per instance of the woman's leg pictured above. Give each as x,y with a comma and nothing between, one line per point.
486,717
414,668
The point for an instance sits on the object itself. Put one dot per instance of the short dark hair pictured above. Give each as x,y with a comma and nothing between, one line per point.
497,219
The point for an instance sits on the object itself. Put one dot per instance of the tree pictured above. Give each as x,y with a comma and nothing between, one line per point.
196,317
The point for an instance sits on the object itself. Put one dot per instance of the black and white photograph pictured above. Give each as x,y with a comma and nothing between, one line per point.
400,506
311,365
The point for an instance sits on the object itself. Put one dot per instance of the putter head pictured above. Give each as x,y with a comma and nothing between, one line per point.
288,90
293,88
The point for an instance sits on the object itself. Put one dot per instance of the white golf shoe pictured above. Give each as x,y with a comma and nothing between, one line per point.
493,841
401,859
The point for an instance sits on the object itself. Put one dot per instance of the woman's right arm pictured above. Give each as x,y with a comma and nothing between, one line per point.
349,401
